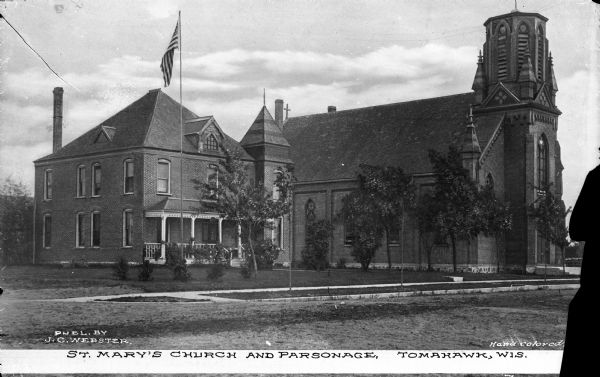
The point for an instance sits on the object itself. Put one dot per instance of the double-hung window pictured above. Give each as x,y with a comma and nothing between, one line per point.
80,181
127,227
163,177
79,230
96,229
128,176
48,184
96,179
47,231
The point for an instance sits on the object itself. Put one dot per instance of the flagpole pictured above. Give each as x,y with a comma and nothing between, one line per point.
180,139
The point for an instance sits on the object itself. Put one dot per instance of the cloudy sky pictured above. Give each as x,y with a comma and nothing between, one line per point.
311,53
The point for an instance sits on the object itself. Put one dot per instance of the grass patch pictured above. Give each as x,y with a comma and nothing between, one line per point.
154,299
370,291
94,280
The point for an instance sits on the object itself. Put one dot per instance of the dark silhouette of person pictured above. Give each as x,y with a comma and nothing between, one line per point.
582,327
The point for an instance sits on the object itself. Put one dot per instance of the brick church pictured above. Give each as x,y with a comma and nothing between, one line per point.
115,190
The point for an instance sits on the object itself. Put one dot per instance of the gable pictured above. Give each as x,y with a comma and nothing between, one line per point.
500,96
543,97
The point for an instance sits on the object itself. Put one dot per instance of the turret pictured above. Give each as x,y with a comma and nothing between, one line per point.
479,83
470,150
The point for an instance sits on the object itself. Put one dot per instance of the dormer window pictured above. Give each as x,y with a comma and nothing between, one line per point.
211,143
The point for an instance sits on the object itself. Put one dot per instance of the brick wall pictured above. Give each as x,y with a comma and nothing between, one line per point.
64,207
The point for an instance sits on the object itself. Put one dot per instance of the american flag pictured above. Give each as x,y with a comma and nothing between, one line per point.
167,61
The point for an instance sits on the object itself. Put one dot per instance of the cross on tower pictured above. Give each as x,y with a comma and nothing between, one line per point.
287,109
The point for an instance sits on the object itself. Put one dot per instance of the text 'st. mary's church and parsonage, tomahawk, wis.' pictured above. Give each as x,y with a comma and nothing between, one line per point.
115,190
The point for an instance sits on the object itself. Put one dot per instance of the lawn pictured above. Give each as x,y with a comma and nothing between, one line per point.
38,282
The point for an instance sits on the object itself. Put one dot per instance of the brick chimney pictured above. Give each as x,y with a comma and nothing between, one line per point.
331,109
279,112
57,119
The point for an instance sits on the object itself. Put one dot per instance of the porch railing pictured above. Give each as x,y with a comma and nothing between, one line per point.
190,252
151,250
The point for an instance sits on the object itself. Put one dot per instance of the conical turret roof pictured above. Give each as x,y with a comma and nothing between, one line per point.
264,130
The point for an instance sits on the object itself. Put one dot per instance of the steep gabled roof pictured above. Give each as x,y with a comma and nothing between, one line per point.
264,129
151,121
332,145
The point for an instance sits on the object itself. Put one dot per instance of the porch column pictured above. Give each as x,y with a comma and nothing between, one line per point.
163,236
220,230
192,227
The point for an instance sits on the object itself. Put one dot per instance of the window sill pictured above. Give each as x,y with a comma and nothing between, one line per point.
79,247
127,247
128,193
164,193
95,196
95,247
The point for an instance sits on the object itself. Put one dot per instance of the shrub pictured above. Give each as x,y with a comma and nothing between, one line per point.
121,268
145,271
176,263
215,272
341,263
212,254
181,272
266,254
314,255
245,270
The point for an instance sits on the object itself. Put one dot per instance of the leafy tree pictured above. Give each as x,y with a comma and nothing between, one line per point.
425,213
250,205
390,193
16,223
318,233
549,213
454,208
497,218
360,214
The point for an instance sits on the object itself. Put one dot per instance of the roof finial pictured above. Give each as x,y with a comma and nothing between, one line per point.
470,116
516,7
264,97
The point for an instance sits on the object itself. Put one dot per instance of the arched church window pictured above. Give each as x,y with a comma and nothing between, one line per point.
540,54
489,181
542,162
309,209
502,52
522,44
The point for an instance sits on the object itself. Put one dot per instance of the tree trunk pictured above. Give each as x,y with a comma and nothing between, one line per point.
453,252
387,248
496,238
252,249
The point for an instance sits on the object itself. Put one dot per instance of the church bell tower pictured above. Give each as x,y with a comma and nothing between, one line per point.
515,82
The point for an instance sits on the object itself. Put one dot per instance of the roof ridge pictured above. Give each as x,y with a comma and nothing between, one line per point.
153,113
386,104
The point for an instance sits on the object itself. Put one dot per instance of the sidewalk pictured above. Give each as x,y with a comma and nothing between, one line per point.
519,285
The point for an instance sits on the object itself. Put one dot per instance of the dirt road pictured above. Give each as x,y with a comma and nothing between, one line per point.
438,322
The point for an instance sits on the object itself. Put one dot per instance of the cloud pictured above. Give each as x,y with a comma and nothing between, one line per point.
397,62
159,9
228,84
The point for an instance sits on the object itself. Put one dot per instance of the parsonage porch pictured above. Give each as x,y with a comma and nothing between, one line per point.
162,226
